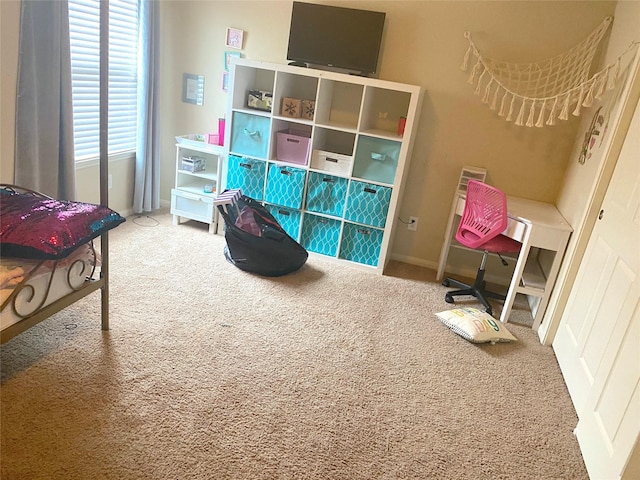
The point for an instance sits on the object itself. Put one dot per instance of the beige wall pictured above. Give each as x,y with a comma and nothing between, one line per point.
9,25
581,178
586,184
423,45
193,41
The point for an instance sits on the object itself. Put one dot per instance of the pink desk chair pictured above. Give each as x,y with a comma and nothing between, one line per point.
481,226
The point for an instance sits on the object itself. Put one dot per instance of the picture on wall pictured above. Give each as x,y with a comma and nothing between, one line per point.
225,81
234,38
606,111
193,89
227,59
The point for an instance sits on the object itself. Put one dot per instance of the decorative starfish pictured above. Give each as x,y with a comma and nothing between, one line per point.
290,108
309,110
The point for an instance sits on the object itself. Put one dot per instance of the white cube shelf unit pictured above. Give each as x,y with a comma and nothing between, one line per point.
198,172
328,159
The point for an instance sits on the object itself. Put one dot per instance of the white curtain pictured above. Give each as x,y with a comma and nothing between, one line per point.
44,158
146,196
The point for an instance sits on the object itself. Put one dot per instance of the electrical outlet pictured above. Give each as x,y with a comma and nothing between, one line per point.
110,181
413,224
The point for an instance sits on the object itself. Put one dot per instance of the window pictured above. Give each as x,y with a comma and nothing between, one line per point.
84,32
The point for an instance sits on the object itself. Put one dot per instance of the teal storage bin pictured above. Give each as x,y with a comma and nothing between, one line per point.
326,194
361,244
288,218
247,174
376,159
285,186
368,204
250,135
320,234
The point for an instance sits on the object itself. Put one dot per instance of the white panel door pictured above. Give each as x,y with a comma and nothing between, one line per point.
598,341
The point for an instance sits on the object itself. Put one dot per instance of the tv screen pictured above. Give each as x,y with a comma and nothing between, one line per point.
343,38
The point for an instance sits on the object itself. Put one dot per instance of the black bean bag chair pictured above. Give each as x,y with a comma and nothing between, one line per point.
256,242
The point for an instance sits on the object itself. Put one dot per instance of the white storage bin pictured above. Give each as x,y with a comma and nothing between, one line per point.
195,207
293,146
331,162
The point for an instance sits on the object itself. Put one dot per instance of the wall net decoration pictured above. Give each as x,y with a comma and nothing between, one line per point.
547,89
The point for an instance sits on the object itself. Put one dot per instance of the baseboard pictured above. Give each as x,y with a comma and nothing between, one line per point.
463,273
164,204
127,213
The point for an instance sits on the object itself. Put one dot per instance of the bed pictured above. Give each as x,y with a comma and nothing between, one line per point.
48,259
49,281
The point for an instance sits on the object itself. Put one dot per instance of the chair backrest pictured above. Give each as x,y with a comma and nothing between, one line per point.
484,216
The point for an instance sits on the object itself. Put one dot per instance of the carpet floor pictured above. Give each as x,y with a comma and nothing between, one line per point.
331,372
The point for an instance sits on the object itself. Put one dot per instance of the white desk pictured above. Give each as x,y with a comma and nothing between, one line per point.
539,227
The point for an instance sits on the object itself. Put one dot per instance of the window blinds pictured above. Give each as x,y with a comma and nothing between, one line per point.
85,67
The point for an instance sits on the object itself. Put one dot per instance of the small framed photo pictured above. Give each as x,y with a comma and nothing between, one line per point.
234,38
227,59
193,89
225,81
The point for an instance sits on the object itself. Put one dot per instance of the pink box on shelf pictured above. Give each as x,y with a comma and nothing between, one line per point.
221,124
213,138
293,146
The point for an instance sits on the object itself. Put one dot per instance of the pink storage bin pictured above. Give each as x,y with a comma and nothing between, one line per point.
293,146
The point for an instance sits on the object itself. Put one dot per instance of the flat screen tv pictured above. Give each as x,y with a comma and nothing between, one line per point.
341,38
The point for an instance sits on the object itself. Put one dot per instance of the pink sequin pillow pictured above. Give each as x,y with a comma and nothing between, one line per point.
38,227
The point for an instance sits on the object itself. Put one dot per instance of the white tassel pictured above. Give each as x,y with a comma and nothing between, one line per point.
474,72
564,113
540,121
503,104
465,61
532,112
477,90
494,102
612,79
487,91
510,114
603,83
552,115
588,100
576,111
521,114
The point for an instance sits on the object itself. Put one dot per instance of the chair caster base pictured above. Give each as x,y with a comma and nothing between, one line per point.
448,298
